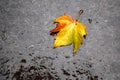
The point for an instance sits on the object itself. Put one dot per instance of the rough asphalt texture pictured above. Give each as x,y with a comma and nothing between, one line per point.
26,51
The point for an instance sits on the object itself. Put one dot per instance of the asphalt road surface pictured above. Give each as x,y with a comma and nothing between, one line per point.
26,51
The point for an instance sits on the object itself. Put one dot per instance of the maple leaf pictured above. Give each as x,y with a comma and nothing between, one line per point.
69,31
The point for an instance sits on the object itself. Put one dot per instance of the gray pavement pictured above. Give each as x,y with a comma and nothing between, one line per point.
26,51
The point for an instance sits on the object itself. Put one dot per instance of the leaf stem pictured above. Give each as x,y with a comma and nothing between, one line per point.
79,13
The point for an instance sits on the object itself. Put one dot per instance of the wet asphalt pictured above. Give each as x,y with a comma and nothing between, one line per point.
26,51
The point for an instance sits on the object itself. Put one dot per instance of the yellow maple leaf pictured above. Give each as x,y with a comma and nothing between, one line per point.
70,31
